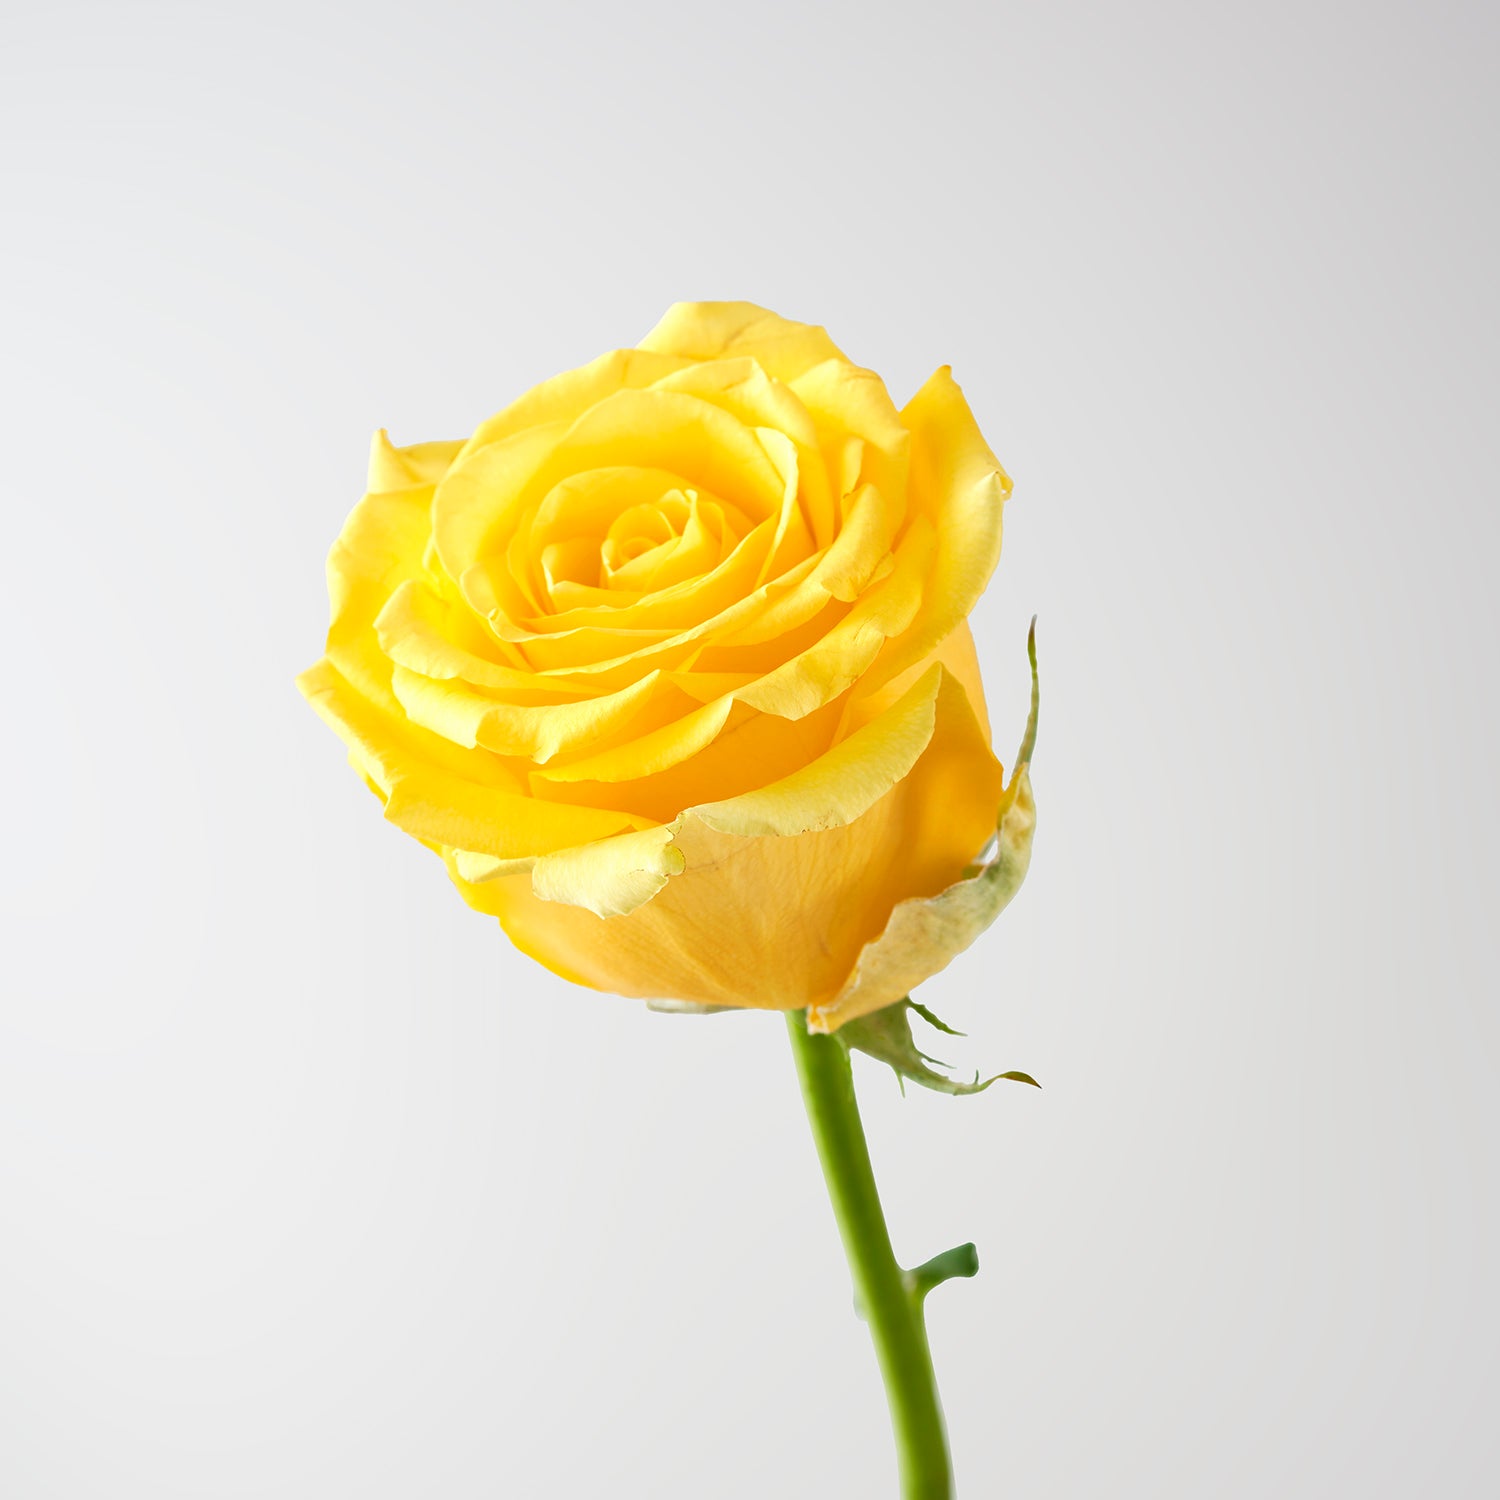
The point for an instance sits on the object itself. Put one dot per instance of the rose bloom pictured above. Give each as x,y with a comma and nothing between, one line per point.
669,663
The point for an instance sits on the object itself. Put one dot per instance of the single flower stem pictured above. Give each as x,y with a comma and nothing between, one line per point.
889,1300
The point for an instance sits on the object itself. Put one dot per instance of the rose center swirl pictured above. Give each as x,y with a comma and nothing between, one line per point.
617,536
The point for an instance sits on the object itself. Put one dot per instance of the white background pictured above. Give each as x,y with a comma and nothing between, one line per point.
310,1187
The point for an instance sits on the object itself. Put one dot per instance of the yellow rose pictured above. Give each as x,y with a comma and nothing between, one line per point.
669,663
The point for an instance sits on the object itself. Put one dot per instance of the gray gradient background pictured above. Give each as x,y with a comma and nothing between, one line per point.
310,1187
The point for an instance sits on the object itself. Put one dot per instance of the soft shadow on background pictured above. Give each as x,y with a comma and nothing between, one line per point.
310,1187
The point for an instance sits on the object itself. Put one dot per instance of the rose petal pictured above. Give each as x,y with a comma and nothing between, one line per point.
713,330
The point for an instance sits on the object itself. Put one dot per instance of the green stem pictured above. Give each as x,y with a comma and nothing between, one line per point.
889,1298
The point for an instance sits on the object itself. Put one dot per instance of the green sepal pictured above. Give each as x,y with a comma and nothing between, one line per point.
931,1019
886,1036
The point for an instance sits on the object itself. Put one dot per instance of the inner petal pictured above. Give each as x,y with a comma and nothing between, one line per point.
641,530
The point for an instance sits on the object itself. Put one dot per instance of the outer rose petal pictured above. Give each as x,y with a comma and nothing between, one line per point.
393,468
567,396
718,330
381,546
925,934
958,484
957,653
448,800
775,921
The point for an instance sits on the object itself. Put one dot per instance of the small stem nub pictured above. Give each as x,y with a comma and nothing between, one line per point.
961,1260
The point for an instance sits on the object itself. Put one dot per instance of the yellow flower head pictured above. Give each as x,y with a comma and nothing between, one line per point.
669,663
